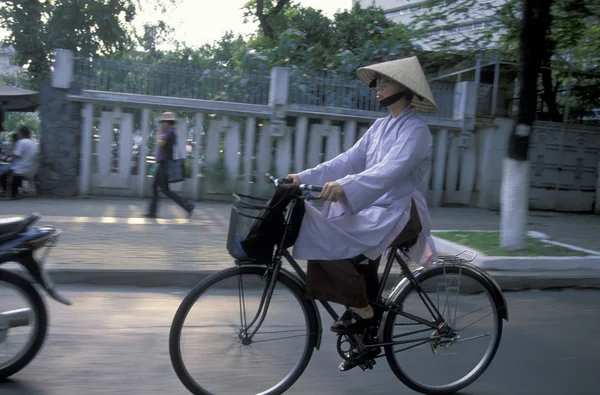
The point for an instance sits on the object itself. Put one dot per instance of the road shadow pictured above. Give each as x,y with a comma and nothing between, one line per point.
10,387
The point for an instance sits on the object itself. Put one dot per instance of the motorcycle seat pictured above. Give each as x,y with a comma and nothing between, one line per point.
11,225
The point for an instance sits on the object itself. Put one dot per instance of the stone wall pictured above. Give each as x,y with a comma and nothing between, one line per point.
60,141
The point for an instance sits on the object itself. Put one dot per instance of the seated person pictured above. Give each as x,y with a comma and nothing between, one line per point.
370,191
9,147
24,156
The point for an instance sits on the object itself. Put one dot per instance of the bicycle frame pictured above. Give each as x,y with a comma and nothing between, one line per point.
385,305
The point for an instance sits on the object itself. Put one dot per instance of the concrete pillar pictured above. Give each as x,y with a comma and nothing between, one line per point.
85,165
278,91
198,132
300,147
62,76
465,104
495,89
142,165
249,152
349,135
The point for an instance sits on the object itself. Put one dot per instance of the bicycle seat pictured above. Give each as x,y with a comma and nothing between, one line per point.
409,235
11,225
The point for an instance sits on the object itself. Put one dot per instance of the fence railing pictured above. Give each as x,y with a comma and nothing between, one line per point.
237,86
329,91
172,81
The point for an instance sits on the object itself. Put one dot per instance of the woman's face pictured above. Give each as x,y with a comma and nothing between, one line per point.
386,87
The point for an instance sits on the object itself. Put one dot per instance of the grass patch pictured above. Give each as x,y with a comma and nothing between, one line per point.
489,244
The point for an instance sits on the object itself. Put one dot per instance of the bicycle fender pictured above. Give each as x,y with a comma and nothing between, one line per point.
497,293
319,327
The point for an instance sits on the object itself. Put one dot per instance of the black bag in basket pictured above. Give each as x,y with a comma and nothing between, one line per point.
267,230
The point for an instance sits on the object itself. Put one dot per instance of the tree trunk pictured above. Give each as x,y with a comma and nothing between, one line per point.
515,180
264,19
549,94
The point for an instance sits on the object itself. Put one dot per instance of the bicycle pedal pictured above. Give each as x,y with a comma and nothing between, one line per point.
368,365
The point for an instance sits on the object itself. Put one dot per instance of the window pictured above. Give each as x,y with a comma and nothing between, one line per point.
462,28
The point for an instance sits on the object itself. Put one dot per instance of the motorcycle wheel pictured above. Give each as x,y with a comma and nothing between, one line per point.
38,312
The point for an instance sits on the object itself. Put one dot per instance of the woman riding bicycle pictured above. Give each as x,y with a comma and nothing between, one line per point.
370,190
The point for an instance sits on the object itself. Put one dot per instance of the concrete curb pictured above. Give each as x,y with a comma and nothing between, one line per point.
508,280
136,278
521,263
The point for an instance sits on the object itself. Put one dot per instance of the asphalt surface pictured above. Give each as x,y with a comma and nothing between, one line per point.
115,341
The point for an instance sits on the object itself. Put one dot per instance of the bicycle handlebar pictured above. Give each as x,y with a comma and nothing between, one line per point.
278,181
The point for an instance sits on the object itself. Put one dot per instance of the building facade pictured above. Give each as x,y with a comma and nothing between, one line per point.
7,53
470,25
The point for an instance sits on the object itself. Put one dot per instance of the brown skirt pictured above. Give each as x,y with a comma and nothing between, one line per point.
341,281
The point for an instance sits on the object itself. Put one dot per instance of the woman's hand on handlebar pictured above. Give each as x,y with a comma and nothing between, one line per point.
295,179
333,192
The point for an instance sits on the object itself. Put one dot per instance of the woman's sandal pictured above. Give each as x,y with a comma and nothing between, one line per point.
348,322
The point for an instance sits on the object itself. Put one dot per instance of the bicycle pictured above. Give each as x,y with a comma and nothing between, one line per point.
268,281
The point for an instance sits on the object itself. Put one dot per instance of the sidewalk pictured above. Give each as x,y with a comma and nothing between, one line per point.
108,240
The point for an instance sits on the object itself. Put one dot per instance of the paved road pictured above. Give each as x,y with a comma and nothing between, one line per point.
114,341
111,233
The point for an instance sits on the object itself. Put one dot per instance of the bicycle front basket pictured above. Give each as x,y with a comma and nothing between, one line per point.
245,216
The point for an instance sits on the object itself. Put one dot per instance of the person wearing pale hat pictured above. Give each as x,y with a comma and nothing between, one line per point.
371,193
166,139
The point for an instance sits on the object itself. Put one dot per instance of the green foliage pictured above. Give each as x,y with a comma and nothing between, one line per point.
308,40
14,120
87,28
573,42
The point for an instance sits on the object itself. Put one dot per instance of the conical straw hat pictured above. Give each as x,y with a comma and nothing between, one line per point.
167,116
407,72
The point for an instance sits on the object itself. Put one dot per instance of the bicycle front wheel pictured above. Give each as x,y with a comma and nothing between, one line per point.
442,360
220,344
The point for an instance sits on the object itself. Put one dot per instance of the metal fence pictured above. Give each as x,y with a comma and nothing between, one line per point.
172,81
322,90
237,86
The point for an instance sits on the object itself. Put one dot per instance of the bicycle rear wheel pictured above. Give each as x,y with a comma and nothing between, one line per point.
216,321
443,361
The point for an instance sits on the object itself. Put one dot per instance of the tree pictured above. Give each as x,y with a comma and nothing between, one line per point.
87,28
571,38
515,181
267,14
14,120
306,39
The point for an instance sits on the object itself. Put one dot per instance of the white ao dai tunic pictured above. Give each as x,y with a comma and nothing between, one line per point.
380,176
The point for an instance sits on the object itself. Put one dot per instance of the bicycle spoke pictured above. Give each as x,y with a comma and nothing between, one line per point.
278,338
472,338
413,346
473,312
412,333
485,316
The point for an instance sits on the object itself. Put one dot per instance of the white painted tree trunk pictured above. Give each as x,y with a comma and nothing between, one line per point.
514,204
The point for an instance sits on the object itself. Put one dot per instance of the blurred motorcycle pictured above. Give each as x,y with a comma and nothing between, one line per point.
28,246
